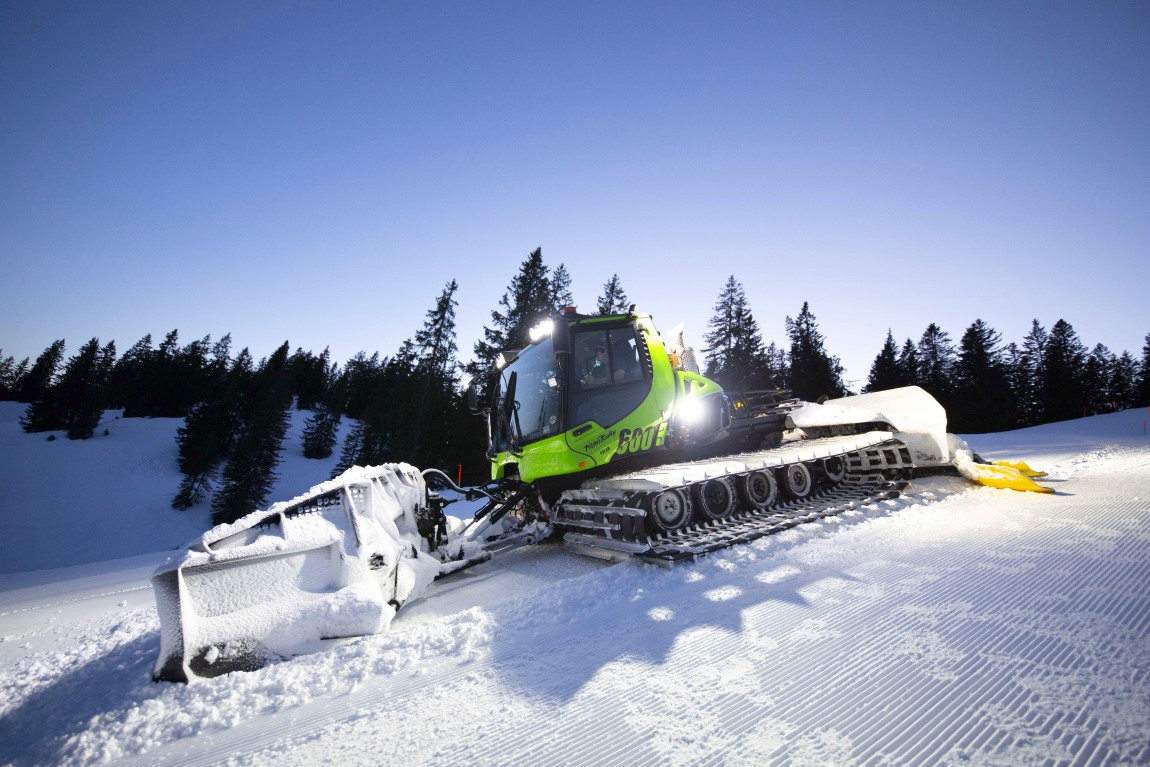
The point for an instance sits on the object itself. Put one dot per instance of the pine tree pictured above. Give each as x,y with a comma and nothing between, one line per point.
202,442
885,372
613,300
1096,378
218,369
163,397
210,431
322,427
982,398
12,373
393,428
353,447
936,357
1123,382
320,431
908,363
43,412
130,383
75,401
776,370
1012,361
468,444
358,383
383,410
529,299
407,407
191,372
561,295
435,341
309,377
42,374
735,355
1143,387
1027,373
85,405
251,469
436,378
1063,387
814,373
370,441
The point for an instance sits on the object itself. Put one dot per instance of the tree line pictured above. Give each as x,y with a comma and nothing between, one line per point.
984,384
236,410
409,406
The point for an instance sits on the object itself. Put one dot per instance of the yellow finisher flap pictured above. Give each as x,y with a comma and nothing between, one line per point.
999,476
1021,466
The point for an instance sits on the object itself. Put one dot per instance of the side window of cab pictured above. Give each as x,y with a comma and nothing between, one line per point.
626,366
592,360
608,378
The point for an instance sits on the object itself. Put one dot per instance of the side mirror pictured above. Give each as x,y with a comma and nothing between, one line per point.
561,337
473,397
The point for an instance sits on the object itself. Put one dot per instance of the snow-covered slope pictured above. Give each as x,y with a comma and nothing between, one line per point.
66,502
955,625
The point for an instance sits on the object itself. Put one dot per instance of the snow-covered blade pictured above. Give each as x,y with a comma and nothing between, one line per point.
335,562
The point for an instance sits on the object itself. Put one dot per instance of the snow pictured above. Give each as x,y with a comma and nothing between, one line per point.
69,502
955,625
915,415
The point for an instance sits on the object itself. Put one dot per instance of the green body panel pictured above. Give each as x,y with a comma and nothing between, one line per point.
588,443
695,385
546,458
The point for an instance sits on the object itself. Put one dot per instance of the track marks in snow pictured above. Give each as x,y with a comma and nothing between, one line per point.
1006,666
955,625
975,640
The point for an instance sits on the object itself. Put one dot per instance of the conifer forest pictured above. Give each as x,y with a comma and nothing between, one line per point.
410,405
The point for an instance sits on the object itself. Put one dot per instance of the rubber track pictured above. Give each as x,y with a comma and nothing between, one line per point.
875,472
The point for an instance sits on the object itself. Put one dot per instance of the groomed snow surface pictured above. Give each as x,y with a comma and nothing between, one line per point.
956,625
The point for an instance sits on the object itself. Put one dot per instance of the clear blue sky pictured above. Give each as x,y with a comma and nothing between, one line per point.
316,172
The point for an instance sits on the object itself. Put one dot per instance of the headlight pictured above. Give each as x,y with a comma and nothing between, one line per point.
691,411
541,331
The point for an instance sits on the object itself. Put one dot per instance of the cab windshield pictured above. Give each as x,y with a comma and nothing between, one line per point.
536,394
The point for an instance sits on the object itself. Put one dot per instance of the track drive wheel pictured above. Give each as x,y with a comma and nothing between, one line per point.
834,468
715,499
759,489
668,511
797,480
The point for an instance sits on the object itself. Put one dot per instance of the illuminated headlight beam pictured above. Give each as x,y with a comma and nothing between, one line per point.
691,411
541,331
